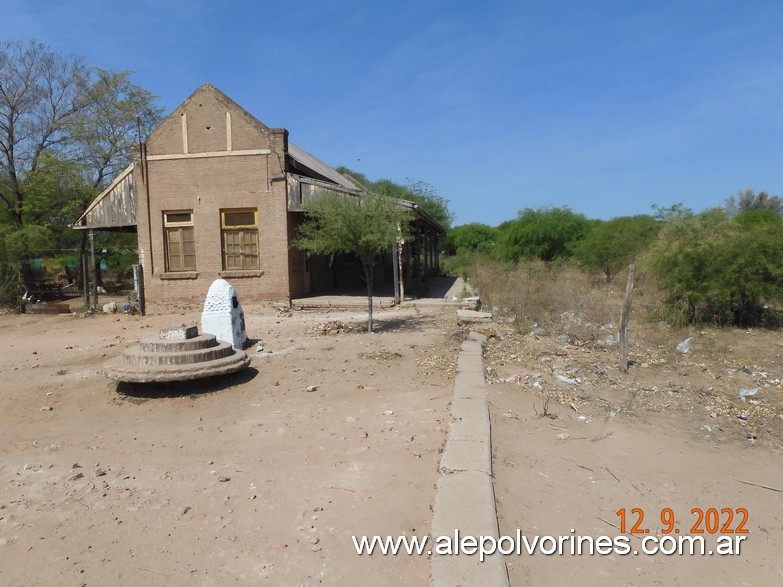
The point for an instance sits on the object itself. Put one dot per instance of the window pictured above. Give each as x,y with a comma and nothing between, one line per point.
180,242
240,239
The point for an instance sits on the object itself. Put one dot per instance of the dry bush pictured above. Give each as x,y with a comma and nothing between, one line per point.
556,297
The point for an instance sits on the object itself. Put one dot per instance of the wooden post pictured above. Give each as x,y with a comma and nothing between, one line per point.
93,270
85,278
624,320
396,273
400,265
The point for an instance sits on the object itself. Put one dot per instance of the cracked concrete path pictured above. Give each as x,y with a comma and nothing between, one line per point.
465,497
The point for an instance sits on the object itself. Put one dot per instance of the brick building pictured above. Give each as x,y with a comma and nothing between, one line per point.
215,193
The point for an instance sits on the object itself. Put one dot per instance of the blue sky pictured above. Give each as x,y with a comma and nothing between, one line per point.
606,106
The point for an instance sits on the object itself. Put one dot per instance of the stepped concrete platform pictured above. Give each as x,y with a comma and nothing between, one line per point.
176,354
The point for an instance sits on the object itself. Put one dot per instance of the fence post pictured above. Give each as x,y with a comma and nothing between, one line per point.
624,320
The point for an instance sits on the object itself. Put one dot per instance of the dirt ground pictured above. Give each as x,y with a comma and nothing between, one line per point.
248,480
672,433
253,479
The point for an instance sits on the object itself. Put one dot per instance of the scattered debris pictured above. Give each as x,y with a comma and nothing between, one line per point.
745,393
685,345
328,328
567,380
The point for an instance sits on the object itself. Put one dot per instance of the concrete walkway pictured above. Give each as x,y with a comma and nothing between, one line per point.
464,497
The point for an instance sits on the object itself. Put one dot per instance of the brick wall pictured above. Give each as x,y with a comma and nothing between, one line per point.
178,177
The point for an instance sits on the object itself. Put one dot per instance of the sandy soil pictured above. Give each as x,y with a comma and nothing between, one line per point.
671,433
250,479
106,484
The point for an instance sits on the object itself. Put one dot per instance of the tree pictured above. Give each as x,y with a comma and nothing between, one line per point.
426,196
39,92
748,201
65,131
363,226
472,237
673,212
464,244
116,115
720,270
611,246
419,192
546,233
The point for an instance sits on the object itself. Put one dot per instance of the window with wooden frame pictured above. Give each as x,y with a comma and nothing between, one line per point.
180,240
239,231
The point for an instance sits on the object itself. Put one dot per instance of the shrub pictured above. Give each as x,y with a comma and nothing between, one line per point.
546,233
719,270
613,245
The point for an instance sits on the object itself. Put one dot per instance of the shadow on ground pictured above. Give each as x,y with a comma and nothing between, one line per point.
405,323
193,389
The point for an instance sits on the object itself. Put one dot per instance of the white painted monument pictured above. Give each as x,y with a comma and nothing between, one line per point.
222,315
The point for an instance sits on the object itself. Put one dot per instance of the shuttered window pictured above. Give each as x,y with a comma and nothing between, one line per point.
180,240
240,239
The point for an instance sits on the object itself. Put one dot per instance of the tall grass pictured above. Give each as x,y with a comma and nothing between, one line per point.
557,297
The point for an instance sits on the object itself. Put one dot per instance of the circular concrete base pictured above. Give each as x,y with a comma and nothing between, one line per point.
120,370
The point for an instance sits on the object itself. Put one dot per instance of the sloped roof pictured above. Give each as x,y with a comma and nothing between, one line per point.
321,168
114,207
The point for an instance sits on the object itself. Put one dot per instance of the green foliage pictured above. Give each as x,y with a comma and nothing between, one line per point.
547,233
117,113
465,244
17,244
459,264
720,270
613,245
66,130
418,192
120,256
473,237
363,226
673,212
9,286
427,197
749,201
56,193
355,176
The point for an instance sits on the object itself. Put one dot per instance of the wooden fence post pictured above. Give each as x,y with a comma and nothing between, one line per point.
624,320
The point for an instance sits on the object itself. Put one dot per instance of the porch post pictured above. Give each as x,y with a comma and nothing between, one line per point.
93,272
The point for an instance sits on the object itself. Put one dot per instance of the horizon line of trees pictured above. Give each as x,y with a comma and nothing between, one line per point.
723,265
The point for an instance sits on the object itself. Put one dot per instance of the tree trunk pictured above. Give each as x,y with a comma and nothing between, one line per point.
367,265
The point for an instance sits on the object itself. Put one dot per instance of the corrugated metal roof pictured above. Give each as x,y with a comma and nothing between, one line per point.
319,166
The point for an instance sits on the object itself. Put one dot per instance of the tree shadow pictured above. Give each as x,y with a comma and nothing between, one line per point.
403,324
193,388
